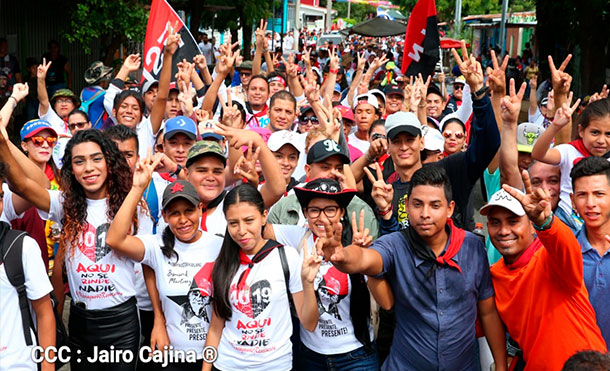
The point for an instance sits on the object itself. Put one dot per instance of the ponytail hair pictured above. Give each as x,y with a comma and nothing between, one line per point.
227,263
168,244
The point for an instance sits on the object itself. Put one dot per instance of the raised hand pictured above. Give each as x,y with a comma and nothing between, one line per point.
246,165
144,169
511,105
470,68
563,114
225,62
291,68
311,90
185,69
172,43
537,204
534,83
230,114
361,61
560,79
41,71
496,77
382,193
377,148
311,265
361,235
20,91
200,62
186,99
238,138
259,35
329,245
132,63
333,59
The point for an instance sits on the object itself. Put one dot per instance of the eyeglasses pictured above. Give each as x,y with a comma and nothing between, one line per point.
313,120
458,87
457,134
329,211
63,100
80,125
38,141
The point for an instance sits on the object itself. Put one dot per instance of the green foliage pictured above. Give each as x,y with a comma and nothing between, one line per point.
107,21
358,12
446,8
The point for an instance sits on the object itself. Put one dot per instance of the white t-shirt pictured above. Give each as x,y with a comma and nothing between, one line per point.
258,335
334,333
206,51
8,211
215,223
14,353
538,118
146,138
63,133
185,287
362,145
288,42
569,153
97,275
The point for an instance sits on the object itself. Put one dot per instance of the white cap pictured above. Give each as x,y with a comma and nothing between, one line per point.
366,98
377,91
433,139
505,200
402,122
282,137
452,116
527,135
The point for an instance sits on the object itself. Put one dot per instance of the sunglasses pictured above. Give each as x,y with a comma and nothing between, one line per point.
458,134
38,141
313,120
80,125
458,87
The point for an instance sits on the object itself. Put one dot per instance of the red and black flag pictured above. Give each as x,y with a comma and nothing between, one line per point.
422,41
162,16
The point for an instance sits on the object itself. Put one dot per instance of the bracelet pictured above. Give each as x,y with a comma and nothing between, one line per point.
335,71
385,212
15,99
368,158
177,172
422,105
546,225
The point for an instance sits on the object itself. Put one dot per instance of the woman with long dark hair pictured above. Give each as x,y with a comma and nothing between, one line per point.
254,281
182,257
343,333
103,309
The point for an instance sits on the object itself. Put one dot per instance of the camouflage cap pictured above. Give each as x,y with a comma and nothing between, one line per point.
67,93
205,147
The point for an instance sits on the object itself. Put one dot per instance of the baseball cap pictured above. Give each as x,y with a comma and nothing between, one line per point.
245,65
453,117
206,130
378,94
65,93
337,88
324,149
346,112
505,200
400,122
205,147
180,124
394,89
304,110
433,89
460,80
282,137
149,84
544,101
433,139
366,98
180,189
527,136
34,127
97,72
173,86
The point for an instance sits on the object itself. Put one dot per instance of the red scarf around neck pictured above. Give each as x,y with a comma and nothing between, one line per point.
259,256
580,146
526,256
456,240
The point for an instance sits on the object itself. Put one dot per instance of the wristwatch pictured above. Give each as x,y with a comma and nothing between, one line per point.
480,93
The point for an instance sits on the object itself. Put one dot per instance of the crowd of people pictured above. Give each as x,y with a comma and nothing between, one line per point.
307,211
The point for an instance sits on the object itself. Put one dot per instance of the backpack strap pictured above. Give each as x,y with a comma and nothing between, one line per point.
12,252
286,277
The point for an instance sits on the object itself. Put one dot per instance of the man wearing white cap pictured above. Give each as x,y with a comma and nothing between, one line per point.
365,112
434,144
538,282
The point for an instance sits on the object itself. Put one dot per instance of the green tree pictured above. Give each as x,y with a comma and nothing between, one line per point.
110,22
358,12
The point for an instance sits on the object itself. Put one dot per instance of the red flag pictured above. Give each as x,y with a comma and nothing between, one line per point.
422,40
161,17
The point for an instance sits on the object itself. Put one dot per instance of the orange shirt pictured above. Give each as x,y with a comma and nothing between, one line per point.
545,304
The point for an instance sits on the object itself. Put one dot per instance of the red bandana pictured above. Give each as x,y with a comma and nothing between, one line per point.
580,146
455,243
259,256
167,177
526,256
48,171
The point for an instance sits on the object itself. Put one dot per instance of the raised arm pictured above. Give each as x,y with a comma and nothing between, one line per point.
31,190
329,84
561,81
259,42
158,109
533,99
496,78
509,159
202,64
43,96
223,67
356,78
293,77
118,236
541,151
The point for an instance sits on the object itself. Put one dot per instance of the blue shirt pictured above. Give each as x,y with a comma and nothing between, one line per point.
597,274
435,315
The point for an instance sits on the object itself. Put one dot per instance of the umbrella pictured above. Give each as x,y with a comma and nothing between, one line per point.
377,27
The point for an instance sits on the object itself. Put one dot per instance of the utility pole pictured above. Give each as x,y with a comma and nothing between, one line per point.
329,14
458,18
503,26
349,8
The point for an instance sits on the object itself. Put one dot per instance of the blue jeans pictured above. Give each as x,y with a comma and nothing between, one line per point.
356,360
